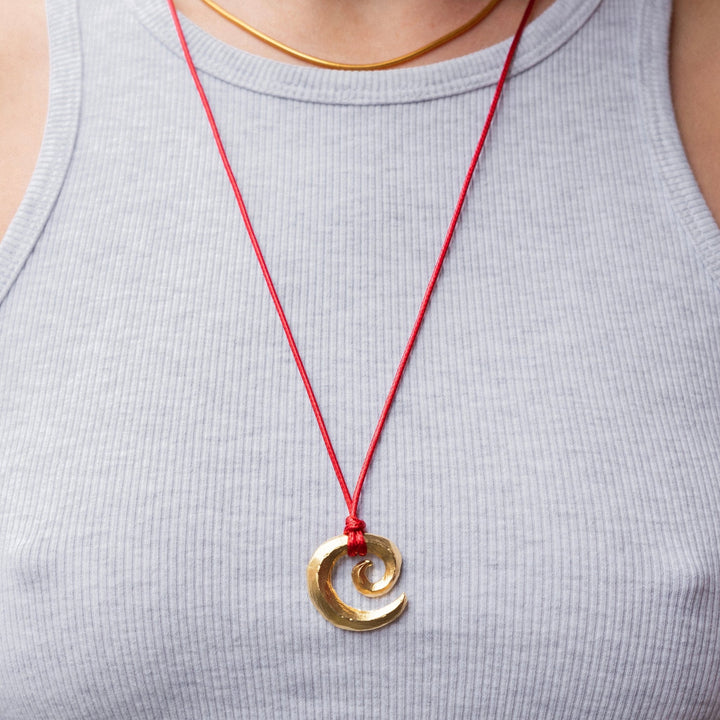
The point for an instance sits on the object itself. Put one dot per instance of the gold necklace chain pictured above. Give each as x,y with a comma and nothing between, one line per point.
475,20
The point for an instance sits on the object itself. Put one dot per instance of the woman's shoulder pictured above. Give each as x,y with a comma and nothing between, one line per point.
695,79
24,83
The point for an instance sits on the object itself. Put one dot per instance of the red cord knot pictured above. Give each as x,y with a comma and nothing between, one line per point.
354,528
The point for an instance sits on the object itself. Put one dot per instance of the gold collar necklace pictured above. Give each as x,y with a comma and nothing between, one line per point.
475,20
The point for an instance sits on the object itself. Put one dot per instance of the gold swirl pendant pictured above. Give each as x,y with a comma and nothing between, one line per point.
327,601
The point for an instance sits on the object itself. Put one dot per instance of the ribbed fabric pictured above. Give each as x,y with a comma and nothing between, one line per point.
550,469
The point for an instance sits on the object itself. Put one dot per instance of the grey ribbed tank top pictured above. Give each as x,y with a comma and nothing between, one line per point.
550,469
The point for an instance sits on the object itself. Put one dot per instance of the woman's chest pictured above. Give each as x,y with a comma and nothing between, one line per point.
548,472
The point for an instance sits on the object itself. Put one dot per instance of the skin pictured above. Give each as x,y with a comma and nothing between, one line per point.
23,98
354,31
695,82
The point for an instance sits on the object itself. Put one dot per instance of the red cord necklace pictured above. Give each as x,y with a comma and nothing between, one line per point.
354,541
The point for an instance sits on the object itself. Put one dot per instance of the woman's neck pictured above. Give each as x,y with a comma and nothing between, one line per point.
359,31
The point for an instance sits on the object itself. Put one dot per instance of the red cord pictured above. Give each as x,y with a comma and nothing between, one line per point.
354,527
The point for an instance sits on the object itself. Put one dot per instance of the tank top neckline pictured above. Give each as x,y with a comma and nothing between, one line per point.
546,34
